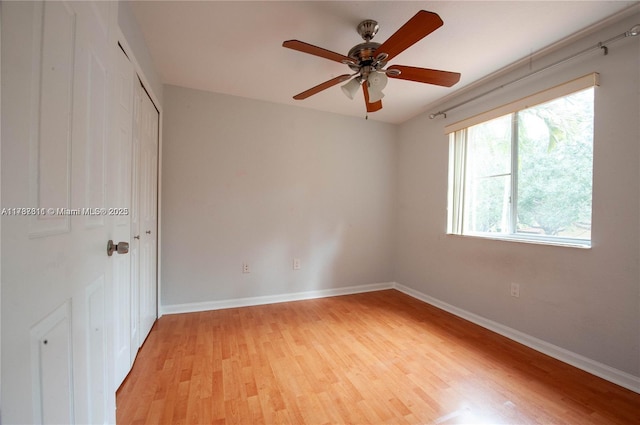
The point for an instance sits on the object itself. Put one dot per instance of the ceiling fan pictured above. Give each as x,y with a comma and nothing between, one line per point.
368,60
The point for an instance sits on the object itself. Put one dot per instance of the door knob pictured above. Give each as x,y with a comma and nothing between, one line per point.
120,247
148,232
136,237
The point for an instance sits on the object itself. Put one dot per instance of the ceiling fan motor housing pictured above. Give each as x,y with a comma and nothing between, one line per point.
364,54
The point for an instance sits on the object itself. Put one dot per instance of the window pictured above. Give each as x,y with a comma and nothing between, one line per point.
526,174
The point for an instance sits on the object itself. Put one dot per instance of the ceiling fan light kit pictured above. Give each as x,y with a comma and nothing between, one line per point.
351,88
377,81
368,60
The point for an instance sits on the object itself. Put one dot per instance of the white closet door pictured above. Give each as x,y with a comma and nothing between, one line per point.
135,222
148,210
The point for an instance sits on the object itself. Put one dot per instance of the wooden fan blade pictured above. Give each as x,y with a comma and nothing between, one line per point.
323,86
425,75
422,24
371,107
314,50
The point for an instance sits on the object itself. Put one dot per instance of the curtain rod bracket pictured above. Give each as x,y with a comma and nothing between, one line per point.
604,48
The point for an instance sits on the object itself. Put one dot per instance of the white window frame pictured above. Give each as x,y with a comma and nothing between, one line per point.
457,162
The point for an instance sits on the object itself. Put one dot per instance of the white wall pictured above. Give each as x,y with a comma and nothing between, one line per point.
585,301
250,181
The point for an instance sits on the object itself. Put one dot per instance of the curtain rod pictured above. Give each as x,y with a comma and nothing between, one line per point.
632,32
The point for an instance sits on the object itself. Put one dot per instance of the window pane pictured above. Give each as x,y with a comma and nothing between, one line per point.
489,148
487,205
555,163
488,177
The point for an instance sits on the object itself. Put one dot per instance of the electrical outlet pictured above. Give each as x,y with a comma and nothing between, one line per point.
515,290
296,264
246,268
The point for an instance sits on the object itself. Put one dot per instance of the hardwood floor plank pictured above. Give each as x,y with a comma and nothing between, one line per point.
373,358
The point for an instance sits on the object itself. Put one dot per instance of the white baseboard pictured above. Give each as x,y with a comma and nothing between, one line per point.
601,370
272,299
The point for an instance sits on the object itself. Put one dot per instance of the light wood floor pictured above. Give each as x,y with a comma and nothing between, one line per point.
374,358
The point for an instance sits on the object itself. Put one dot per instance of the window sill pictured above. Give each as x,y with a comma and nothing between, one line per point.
535,241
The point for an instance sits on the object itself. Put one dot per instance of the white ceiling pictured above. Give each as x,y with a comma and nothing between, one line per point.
235,47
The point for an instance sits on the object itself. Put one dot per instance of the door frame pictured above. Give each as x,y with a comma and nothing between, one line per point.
126,47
